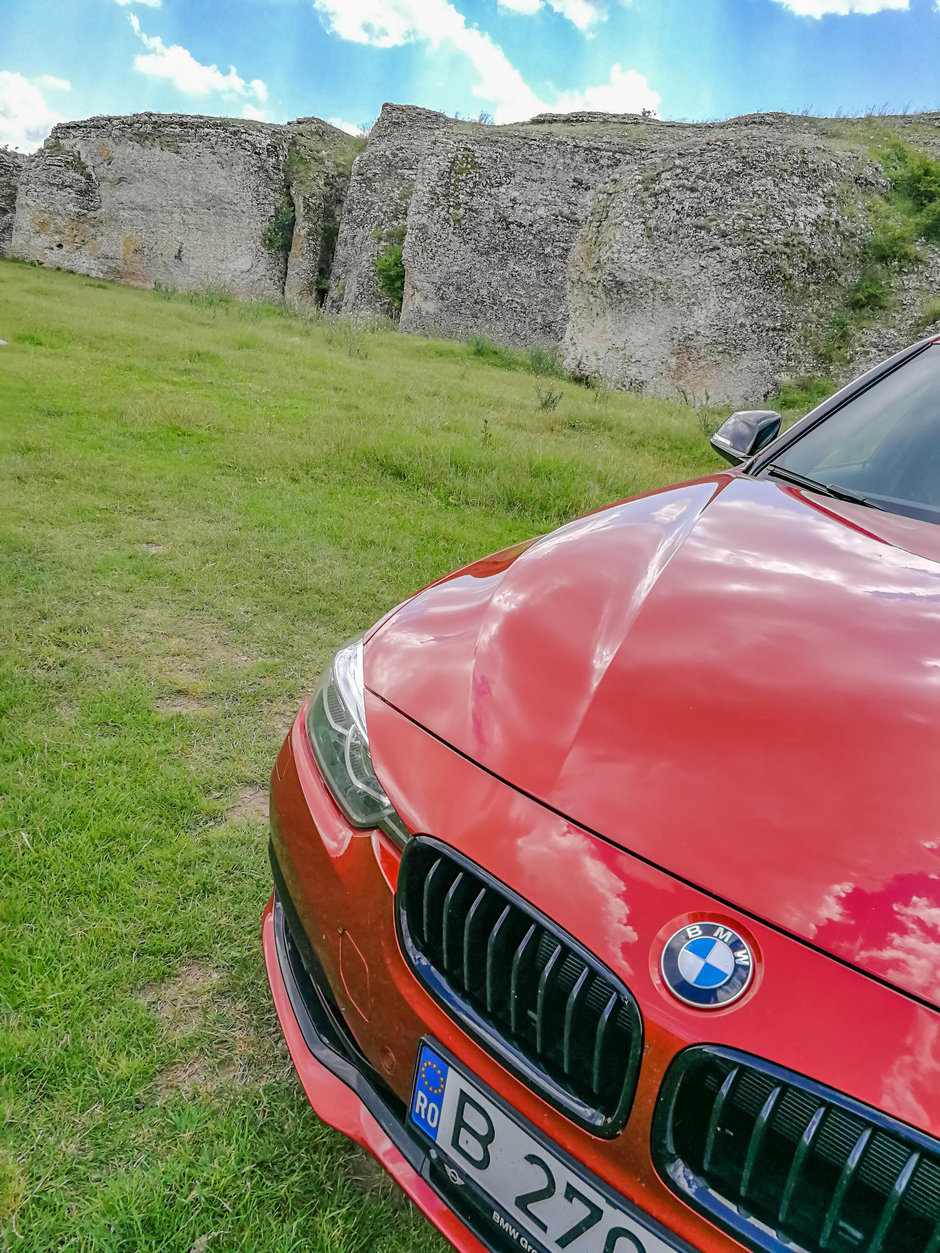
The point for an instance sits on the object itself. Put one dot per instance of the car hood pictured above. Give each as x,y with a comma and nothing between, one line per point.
733,679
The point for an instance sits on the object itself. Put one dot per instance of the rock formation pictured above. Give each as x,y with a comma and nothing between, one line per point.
184,202
708,260
11,167
493,217
380,192
700,271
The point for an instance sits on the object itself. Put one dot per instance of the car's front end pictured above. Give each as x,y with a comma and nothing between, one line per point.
491,967
607,908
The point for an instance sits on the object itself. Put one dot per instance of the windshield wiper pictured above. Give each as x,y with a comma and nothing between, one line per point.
827,489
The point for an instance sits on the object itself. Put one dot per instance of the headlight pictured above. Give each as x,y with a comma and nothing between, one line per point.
336,728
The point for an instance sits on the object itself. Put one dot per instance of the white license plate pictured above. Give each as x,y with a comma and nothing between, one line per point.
533,1196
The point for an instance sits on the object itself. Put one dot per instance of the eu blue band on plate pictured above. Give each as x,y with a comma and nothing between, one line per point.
429,1091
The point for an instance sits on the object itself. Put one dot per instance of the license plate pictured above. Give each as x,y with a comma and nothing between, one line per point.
529,1191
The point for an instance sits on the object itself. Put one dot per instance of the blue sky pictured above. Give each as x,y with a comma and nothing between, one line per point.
340,59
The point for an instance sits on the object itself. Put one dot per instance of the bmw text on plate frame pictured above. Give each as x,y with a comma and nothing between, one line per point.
550,814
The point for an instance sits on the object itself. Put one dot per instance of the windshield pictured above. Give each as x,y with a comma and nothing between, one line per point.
882,448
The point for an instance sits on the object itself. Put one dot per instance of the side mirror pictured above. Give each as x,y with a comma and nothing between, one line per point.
745,433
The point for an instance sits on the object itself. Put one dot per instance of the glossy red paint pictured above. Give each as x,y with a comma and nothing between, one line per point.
735,680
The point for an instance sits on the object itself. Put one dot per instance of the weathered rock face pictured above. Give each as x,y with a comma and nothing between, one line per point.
700,271
704,259
181,202
11,167
380,192
493,218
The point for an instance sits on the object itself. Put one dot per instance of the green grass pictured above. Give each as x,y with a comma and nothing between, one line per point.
798,396
201,500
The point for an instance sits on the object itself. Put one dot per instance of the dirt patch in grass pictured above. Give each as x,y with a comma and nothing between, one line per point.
180,703
251,806
180,1003
185,1078
280,717
229,1047
150,547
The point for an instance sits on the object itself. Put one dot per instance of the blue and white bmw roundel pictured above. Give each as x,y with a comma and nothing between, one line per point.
707,965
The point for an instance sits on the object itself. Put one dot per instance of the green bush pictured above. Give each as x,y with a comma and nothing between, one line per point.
543,359
390,267
496,354
834,348
929,314
548,397
915,180
278,235
908,213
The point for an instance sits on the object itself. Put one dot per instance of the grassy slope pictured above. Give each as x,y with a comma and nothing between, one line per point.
199,502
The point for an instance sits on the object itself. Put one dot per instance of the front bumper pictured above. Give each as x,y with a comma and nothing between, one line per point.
339,1083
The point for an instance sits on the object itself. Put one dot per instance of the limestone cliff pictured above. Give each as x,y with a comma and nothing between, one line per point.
183,202
700,271
715,266
493,217
11,168
712,260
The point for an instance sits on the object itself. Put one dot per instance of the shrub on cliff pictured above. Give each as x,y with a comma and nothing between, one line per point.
279,232
390,267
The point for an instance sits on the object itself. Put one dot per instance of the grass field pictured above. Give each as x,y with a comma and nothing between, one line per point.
198,501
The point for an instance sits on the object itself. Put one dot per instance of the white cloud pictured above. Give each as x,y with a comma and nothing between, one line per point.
25,117
391,23
583,13
349,127
178,66
627,92
152,4
841,8
252,111
49,82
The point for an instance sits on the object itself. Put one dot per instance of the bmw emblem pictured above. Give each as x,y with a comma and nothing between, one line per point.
707,965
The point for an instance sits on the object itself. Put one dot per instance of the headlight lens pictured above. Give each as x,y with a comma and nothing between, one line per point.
336,728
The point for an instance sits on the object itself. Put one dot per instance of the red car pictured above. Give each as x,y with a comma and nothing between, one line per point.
607,869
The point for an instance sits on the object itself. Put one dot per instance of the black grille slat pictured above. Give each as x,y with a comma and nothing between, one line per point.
712,1137
542,998
803,1150
516,1007
428,912
528,990
901,1185
761,1127
450,925
783,1163
840,1196
493,945
474,916
570,1010
603,1026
